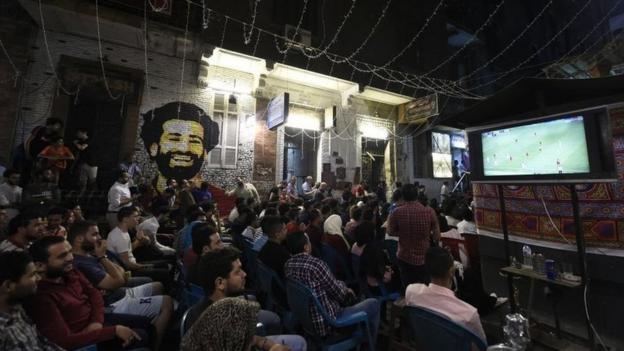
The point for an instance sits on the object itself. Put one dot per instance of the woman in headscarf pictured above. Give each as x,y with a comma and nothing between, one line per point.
227,325
333,235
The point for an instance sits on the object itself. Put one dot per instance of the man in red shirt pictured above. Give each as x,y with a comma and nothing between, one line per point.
67,309
414,224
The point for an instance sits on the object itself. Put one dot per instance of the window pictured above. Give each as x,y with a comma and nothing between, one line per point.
225,112
441,155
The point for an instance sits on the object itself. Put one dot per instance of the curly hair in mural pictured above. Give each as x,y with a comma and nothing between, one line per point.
178,142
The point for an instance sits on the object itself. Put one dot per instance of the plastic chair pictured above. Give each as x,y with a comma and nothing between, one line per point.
433,331
183,323
267,281
192,294
301,299
337,264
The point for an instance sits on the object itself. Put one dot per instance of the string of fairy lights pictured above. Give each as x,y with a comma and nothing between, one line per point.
452,88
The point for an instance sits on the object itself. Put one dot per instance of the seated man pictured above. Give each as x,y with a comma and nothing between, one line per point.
119,243
331,292
222,276
438,296
150,228
23,229
206,238
273,253
18,281
67,309
144,300
55,220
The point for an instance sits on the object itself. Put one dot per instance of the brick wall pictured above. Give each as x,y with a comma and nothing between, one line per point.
164,76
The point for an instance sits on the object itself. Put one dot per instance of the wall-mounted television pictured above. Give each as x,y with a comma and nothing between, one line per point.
277,111
564,148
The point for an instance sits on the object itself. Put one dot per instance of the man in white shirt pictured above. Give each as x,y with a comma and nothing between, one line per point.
119,239
307,188
11,193
439,297
119,196
150,227
444,192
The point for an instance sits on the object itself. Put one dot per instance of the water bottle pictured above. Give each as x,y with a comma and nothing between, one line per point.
527,257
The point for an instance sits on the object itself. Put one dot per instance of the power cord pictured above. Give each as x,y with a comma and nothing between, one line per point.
587,280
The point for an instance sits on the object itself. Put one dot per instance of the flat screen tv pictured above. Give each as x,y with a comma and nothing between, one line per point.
573,147
277,111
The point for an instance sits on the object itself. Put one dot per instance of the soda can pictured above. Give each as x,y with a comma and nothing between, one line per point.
551,272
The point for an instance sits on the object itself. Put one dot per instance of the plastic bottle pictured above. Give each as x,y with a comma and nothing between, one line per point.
527,259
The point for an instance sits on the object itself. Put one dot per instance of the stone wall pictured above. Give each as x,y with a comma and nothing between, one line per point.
164,78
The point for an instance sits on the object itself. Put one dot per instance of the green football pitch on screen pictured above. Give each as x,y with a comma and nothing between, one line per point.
551,147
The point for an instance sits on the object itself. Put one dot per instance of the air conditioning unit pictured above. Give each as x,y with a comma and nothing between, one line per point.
299,39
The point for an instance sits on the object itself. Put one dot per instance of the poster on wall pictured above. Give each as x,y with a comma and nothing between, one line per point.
419,110
177,137
277,111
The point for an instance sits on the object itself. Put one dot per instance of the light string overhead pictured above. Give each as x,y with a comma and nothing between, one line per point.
99,39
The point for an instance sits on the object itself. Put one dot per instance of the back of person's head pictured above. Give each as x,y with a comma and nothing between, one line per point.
314,215
246,216
444,226
364,233
368,214
227,325
272,225
53,121
296,242
438,262
78,229
283,208
466,214
326,210
14,264
422,198
397,195
410,192
298,202
271,211
194,216
216,264
157,211
126,212
57,211
200,236
292,214
355,213
39,250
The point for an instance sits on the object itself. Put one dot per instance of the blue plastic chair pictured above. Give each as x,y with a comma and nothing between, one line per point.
337,263
184,327
267,281
192,294
301,299
433,331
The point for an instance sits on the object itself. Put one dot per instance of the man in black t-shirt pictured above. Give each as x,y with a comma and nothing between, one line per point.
85,165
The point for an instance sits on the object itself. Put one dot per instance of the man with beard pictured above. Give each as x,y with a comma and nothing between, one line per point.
177,136
23,229
67,309
18,281
119,196
90,258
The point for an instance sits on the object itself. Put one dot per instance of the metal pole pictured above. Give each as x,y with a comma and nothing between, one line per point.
512,297
580,247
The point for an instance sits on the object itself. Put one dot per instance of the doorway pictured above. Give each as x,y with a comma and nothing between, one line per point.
104,120
300,154
373,160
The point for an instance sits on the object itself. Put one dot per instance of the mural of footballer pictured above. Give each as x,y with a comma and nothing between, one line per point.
178,142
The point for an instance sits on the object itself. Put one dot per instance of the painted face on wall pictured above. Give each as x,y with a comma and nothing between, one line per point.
177,137
180,151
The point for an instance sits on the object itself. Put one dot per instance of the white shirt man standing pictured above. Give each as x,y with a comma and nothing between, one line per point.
119,196
11,193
